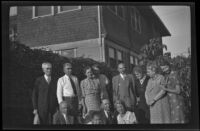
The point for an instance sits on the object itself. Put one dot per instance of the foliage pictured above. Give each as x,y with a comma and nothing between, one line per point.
25,67
180,64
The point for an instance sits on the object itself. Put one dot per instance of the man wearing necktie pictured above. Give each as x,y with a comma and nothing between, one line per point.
68,90
124,87
44,96
106,113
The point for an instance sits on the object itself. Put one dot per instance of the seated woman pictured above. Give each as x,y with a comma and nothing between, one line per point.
124,116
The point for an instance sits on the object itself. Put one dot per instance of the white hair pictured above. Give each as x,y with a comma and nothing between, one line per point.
45,64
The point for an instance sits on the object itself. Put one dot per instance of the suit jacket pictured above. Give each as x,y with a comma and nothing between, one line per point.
108,120
124,90
58,119
44,96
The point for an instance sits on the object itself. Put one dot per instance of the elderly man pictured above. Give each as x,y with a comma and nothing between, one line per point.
124,87
68,90
62,117
44,96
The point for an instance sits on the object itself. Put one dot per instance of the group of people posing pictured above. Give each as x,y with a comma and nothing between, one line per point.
141,97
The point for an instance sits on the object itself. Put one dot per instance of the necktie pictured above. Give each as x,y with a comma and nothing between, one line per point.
73,85
48,79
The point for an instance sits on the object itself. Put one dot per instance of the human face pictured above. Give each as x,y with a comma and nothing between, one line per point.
165,68
96,70
138,75
68,70
120,108
89,73
96,119
150,72
121,68
47,69
106,104
63,108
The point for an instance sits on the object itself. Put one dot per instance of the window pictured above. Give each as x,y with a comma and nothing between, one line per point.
120,11
117,10
68,8
68,53
119,57
135,20
113,9
13,33
136,61
132,63
112,60
41,11
13,11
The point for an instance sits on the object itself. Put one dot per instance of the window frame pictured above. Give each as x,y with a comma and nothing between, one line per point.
137,20
115,13
33,13
60,12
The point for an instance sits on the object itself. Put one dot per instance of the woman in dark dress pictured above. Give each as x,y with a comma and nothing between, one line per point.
142,112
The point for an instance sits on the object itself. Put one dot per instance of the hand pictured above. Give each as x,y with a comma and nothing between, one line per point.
35,112
152,102
163,87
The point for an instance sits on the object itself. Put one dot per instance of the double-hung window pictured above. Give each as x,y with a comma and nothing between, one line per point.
42,11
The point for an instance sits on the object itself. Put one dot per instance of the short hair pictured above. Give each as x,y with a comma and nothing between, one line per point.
120,102
138,69
153,65
46,63
95,66
121,64
67,64
164,63
86,68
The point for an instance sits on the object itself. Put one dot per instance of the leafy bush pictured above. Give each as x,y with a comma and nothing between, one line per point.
25,67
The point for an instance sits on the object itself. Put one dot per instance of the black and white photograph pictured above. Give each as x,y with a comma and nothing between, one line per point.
99,65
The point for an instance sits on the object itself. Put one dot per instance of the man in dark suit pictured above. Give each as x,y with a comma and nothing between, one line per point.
44,96
106,114
124,87
62,116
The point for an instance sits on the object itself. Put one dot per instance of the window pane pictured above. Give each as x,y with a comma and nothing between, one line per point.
120,11
112,8
68,53
119,55
113,63
133,22
67,8
131,60
111,53
42,10
13,11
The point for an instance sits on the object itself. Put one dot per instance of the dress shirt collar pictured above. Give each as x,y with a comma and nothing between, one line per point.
123,76
46,77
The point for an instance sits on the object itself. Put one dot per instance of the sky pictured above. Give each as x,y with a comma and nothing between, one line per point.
177,21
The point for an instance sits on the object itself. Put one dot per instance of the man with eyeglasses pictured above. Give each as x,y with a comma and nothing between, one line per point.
124,87
68,90
44,96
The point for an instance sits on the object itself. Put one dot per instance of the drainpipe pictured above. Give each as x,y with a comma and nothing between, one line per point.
99,28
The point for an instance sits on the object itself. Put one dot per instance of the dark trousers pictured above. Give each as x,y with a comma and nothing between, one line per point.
46,118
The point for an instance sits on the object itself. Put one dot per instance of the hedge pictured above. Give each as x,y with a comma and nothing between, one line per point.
25,67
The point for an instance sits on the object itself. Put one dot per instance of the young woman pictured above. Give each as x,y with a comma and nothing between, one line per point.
124,116
91,92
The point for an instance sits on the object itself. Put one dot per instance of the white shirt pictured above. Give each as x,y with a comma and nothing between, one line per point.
47,77
123,76
65,117
106,113
64,88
